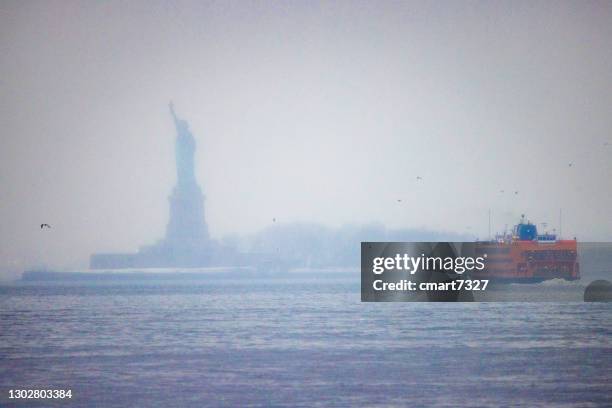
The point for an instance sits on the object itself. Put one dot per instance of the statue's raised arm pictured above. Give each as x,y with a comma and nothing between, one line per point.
185,148
182,127
171,106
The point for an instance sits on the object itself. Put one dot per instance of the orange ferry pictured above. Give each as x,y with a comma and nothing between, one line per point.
524,256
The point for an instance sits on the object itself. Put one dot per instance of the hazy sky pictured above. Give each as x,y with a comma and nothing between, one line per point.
302,111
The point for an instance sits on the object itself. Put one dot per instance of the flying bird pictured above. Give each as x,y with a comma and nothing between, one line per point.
516,192
44,226
419,178
570,164
399,201
501,191
273,219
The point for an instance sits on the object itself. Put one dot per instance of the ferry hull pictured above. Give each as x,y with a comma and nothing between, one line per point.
528,261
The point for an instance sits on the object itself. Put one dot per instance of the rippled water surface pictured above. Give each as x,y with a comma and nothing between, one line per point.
296,343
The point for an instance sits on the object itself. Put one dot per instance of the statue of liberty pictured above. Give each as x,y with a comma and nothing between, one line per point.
186,243
184,149
186,226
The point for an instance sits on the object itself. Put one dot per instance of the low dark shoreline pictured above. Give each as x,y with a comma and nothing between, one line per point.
198,274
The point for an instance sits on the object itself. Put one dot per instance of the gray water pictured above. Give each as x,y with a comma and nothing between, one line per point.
295,343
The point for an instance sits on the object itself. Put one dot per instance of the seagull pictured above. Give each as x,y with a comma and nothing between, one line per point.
516,192
570,164
273,219
399,201
419,178
501,191
44,225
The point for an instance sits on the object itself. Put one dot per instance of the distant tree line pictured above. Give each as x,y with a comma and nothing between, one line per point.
316,246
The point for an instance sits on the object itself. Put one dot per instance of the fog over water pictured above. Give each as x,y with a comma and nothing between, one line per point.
303,112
